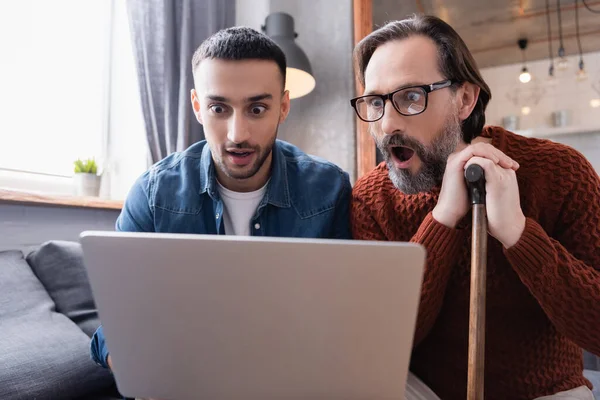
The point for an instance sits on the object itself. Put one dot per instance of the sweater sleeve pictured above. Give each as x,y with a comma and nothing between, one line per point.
442,245
563,272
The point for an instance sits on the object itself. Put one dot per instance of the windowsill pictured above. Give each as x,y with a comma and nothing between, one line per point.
25,197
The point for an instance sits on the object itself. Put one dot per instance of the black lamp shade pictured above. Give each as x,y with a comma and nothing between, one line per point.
299,81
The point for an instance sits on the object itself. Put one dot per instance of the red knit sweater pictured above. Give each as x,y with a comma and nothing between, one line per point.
543,294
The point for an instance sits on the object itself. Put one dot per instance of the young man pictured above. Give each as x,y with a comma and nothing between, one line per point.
241,180
425,101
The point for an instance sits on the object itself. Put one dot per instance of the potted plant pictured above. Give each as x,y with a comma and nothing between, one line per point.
86,179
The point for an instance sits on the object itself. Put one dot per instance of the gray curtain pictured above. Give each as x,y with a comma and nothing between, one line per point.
165,34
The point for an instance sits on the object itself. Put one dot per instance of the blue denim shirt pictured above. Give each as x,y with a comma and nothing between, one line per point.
305,197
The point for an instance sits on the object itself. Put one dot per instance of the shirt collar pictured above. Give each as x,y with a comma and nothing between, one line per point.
278,192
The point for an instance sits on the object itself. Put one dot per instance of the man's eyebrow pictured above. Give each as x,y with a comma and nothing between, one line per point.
264,96
258,97
403,86
217,98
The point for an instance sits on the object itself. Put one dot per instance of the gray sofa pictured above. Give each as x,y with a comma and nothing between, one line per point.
47,316
591,363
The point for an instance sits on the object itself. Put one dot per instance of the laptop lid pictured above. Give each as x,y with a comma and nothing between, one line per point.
229,317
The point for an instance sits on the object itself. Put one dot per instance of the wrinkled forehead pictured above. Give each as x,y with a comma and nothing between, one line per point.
235,79
401,63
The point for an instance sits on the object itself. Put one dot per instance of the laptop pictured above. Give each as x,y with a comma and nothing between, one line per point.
229,317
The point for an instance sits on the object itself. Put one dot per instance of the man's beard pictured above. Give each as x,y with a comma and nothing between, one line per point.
262,153
433,157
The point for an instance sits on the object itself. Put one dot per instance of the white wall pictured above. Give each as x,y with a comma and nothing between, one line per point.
566,93
23,227
251,13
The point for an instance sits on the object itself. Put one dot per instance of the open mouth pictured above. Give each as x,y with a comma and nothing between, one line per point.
240,157
401,153
240,153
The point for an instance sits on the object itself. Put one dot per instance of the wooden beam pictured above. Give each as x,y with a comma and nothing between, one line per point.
365,146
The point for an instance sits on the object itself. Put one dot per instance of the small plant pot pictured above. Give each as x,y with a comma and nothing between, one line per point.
86,184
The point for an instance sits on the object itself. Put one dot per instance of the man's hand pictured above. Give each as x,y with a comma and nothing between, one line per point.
505,217
506,221
453,203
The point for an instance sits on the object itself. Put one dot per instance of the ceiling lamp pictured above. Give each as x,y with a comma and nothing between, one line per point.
300,80
562,64
581,74
525,76
551,68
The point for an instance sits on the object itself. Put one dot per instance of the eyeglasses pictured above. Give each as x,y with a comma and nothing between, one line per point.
408,101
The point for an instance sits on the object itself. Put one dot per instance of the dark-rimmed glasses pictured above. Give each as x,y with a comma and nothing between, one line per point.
408,101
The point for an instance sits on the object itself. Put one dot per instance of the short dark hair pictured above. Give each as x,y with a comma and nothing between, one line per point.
240,43
455,60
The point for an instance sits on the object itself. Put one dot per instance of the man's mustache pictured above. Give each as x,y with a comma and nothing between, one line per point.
243,145
400,139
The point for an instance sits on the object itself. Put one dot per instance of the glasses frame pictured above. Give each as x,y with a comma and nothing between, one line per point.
426,88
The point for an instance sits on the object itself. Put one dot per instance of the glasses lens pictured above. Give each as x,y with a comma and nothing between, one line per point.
410,101
370,108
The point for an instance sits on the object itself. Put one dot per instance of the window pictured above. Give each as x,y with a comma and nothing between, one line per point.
53,81
60,66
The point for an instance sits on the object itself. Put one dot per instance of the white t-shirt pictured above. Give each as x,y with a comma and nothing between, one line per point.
239,208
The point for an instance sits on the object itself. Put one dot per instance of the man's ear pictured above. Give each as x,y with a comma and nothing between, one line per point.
467,96
285,106
196,105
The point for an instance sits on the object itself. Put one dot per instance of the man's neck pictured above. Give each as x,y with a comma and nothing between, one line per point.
251,184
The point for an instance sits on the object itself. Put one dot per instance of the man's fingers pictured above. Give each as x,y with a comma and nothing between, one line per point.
488,165
487,151
493,172
490,152
479,150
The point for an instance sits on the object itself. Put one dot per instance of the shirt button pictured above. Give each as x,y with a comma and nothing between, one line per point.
257,226
217,215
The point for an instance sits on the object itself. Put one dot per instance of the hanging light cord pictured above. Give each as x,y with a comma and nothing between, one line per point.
577,29
590,9
549,32
559,25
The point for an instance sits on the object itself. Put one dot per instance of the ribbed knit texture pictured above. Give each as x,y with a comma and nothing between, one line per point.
543,294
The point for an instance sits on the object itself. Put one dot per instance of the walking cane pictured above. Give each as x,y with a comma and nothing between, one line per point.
475,179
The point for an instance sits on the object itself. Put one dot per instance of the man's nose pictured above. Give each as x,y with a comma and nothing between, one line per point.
238,131
391,121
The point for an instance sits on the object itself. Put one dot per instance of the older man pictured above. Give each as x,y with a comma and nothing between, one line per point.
425,101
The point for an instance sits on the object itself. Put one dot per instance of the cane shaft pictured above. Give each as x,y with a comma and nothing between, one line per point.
477,304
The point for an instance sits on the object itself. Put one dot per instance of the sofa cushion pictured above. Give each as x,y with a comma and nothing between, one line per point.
43,354
59,266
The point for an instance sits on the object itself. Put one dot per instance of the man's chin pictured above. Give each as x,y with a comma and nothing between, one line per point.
405,173
241,173
409,183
